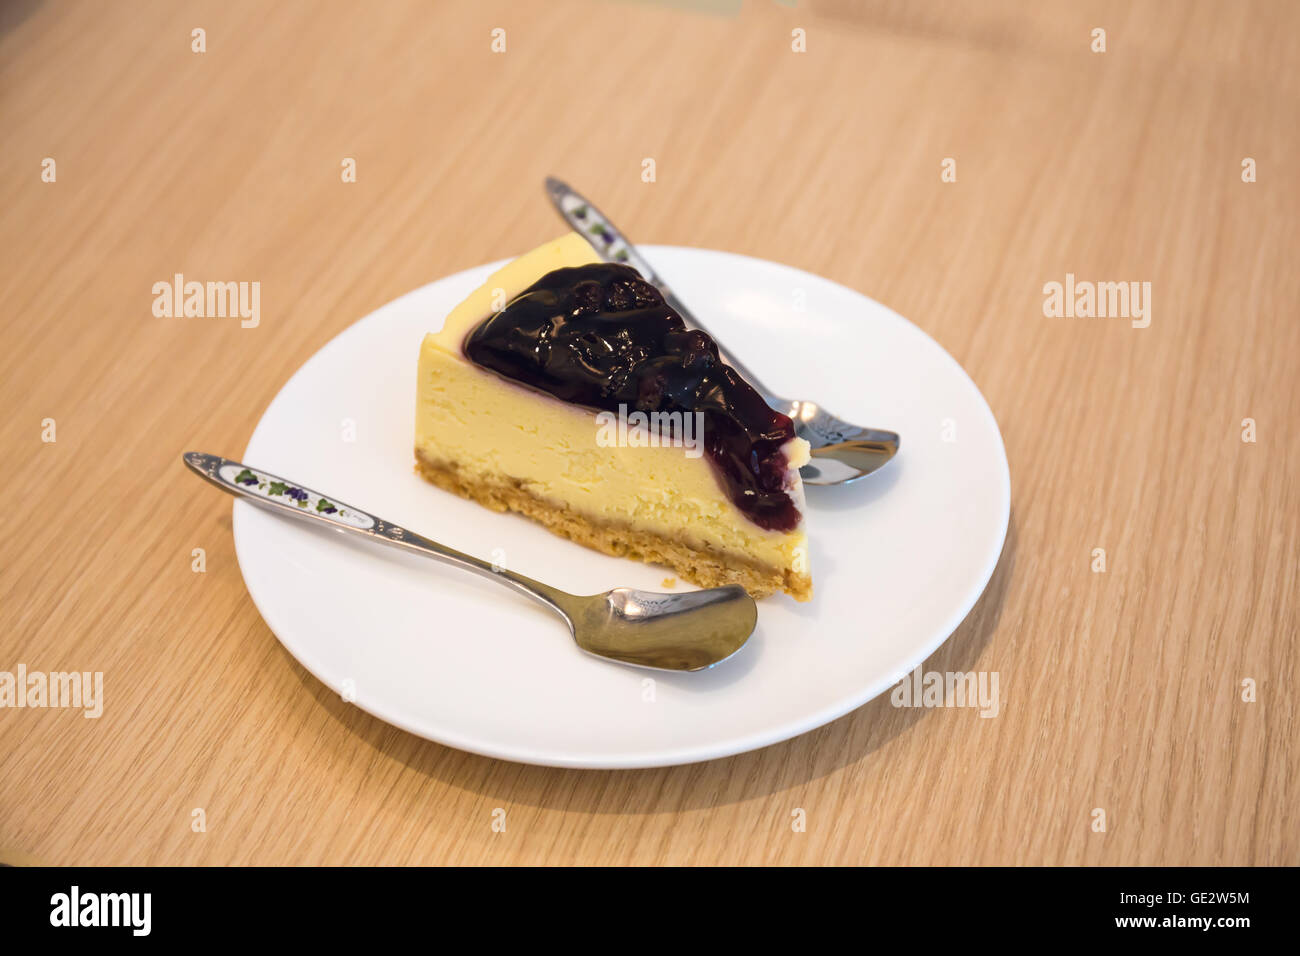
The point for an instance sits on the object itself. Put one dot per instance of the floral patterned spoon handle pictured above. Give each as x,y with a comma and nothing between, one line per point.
287,497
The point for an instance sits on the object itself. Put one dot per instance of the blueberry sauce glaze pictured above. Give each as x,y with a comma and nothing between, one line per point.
599,335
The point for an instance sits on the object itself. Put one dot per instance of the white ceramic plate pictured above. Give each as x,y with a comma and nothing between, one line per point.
464,661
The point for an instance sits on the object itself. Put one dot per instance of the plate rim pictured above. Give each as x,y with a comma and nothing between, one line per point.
677,755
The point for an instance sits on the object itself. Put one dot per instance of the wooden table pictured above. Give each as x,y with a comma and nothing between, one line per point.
1121,691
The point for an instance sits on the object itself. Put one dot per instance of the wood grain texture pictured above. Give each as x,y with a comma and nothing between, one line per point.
1119,690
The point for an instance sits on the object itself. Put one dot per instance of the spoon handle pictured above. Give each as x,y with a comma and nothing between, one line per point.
288,497
610,243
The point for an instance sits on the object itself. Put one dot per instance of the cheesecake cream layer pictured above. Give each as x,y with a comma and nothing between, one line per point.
511,447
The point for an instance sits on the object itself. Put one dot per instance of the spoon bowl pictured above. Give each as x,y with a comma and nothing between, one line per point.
677,632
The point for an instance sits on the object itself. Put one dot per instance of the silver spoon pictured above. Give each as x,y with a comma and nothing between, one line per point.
675,632
841,451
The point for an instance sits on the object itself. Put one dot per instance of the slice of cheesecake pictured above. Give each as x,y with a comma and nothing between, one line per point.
564,389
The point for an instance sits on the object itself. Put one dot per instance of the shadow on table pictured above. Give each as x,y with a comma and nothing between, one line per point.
14,12
779,767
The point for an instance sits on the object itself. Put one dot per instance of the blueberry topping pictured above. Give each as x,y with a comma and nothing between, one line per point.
600,336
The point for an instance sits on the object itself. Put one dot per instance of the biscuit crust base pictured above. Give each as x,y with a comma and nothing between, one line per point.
699,567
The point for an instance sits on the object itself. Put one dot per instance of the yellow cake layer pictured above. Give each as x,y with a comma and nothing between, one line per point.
510,446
